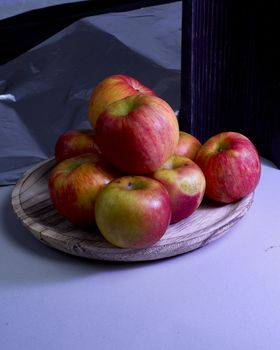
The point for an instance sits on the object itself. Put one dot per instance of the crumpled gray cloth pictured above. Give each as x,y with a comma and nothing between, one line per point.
45,91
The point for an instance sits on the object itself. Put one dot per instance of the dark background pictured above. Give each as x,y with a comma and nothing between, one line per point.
216,62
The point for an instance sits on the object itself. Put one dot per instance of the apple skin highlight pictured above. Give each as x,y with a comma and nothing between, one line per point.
188,145
111,89
75,142
74,185
133,212
138,133
185,183
231,165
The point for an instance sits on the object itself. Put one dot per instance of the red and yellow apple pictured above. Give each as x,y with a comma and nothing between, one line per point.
185,184
111,89
75,142
133,212
74,185
138,133
231,166
188,145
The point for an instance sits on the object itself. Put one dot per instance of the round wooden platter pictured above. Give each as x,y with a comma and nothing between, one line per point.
32,205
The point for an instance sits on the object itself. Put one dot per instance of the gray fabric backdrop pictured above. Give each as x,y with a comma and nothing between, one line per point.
45,91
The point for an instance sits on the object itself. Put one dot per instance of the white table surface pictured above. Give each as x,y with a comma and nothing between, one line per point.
223,296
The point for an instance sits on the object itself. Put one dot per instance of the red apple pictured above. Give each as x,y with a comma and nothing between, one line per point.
111,89
185,184
133,212
75,142
231,166
74,184
188,145
138,133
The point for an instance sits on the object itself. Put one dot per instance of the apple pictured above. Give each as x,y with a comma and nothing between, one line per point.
138,133
188,145
75,142
111,89
185,183
133,212
74,184
231,166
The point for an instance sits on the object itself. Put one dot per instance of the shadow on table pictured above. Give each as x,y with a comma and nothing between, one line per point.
26,260
268,163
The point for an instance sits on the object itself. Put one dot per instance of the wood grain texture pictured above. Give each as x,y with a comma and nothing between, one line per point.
32,205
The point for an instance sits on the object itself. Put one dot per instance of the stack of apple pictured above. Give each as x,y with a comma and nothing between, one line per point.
134,173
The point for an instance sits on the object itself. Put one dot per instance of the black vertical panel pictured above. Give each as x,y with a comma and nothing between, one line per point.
186,66
235,72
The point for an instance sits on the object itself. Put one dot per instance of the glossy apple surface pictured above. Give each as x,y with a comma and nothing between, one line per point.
111,89
75,142
138,133
188,145
74,184
185,184
133,212
231,166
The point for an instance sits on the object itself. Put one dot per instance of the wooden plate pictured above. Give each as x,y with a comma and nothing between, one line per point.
32,205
